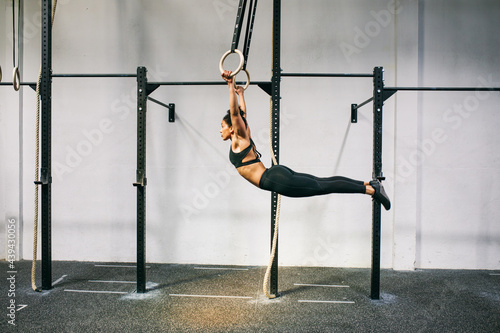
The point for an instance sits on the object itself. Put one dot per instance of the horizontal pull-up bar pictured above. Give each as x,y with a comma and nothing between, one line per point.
443,88
264,85
93,75
33,84
326,75
172,83
20,83
203,83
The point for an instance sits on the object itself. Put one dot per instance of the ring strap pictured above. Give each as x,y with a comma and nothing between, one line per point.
237,26
248,33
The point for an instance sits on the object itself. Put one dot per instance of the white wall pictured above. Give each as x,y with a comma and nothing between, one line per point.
459,222
438,151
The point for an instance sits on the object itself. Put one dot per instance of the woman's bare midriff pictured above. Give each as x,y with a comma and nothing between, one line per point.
253,172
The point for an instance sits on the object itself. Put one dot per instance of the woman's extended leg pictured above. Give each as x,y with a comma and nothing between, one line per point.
283,180
287,182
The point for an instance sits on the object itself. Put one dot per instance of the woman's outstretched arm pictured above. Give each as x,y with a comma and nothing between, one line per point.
243,107
238,123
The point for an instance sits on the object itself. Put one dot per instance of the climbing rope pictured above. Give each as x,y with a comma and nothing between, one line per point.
37,163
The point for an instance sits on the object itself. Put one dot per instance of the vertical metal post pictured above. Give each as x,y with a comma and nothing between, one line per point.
141,180
275,100
378,102
46,115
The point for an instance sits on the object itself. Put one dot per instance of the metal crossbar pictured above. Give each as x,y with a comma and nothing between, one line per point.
326,75
443,88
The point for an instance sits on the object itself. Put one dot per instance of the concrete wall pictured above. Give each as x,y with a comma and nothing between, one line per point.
439,149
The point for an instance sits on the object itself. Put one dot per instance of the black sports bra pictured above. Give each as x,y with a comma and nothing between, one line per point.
237,158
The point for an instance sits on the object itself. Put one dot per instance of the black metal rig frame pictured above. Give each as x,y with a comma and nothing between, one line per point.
380,94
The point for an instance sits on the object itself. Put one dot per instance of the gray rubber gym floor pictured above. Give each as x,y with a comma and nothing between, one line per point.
89,297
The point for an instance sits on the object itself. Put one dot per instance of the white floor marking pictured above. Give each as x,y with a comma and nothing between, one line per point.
222,268
495,274
101,281
58,280
20,307
210,296
333,302
321,285
95,291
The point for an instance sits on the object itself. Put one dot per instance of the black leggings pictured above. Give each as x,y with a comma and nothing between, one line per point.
287,182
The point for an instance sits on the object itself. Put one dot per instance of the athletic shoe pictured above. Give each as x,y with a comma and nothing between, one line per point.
380,194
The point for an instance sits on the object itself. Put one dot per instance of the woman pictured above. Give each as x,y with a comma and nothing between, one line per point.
280,179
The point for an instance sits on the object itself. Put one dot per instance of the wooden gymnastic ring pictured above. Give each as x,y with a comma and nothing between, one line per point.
16,79
248,80
242,62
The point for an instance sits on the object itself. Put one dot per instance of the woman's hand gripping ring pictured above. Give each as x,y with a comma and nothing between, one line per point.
16,79
242,61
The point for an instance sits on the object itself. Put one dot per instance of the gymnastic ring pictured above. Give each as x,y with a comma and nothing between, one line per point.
248,81
242,62
16,79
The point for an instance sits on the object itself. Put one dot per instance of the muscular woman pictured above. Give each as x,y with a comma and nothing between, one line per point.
278,178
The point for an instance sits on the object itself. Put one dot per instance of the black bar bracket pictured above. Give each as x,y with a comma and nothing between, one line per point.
388,93
45,179
171,113
141,179
266,86
170,107
354,113
355,107
150,87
